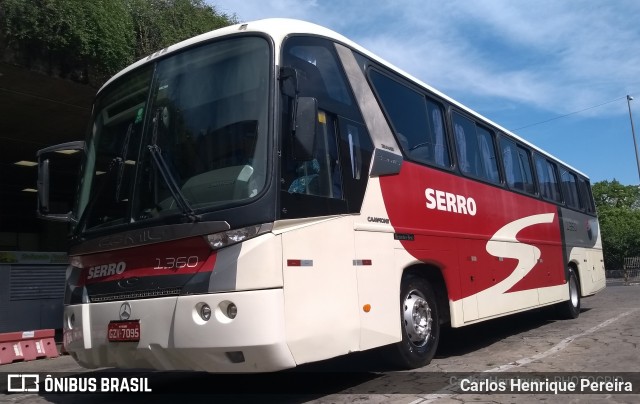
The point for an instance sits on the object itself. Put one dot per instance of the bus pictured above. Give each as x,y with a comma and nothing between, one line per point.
271,194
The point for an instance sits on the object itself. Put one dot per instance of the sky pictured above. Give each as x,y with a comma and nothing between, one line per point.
555,72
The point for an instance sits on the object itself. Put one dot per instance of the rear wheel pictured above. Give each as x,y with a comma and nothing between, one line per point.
420,324
571,308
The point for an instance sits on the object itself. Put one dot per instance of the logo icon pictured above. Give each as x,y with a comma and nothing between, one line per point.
125,311
22,383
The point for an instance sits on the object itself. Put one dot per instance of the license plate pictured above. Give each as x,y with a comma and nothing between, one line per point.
124,331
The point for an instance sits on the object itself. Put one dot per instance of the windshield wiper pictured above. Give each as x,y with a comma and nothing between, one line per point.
165,173
177,194
122,159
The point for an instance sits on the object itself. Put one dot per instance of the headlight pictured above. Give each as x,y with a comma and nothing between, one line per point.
230,237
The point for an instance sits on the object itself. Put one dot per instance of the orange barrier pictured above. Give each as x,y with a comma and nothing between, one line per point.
27,346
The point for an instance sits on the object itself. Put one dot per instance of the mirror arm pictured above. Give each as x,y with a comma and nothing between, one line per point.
289,83
43,186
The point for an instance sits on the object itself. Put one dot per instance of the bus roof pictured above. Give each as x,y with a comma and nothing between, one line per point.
280,28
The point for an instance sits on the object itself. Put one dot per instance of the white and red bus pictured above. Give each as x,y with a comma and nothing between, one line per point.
271,194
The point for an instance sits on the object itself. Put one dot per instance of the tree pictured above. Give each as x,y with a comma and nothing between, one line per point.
619,216
91,40
159,23
613,194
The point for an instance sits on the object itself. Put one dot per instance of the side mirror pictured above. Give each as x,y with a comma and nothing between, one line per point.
305,128
58,165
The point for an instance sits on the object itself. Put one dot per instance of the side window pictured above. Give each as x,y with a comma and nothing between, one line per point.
320,176
570,189
353,135
418,122
333,178
586,198
524,160
355,153
437,134
488,154
476,149
319,74
517,166
548,179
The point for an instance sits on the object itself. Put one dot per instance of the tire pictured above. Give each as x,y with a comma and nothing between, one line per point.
571,308
420,325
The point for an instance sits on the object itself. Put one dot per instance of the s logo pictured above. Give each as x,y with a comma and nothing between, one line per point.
516,250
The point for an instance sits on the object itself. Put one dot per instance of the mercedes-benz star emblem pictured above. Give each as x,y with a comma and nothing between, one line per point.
125,311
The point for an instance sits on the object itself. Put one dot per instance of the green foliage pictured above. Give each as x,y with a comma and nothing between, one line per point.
98,34
159,23
104,36
615,195
619,215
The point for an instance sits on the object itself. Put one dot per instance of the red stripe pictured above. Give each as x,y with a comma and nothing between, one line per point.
447,239
186,256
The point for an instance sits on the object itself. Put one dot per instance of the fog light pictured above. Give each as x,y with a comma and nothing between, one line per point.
71,321
232,311
205,312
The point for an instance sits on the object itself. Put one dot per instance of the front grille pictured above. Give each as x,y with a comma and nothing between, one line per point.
141,294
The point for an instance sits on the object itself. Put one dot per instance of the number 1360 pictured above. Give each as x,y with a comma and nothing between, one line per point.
176,262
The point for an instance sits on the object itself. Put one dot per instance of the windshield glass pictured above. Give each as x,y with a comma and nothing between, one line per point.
186,133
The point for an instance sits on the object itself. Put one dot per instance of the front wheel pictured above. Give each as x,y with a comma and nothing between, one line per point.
420,324
571,308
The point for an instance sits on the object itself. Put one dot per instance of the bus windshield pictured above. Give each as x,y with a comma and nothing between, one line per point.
182,135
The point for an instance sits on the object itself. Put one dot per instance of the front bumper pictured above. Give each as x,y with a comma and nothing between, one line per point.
173,336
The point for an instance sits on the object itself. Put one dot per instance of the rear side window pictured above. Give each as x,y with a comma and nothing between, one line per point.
548,179
476,149
570,189
586,198
517,166
417,121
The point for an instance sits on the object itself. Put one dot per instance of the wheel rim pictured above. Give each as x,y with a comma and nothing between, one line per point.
573,291
417,318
